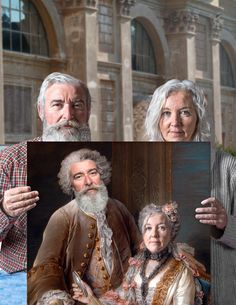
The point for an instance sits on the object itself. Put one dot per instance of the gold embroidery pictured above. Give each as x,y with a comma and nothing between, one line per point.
174,268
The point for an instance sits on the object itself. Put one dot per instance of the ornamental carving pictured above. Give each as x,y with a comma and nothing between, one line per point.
75,4
216,27
91,3
125,6
181,22
139,114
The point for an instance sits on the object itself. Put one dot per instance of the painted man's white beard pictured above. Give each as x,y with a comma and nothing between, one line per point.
92,203
59,133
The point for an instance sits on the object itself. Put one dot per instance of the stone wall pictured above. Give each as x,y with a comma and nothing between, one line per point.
92,41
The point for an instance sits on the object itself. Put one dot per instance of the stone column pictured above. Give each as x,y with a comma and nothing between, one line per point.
216,26
91,71
2,131
80,19
180,27
126,69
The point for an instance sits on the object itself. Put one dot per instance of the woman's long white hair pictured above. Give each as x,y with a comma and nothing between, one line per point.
158,100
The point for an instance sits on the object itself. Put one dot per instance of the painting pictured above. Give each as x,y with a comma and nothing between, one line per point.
142,173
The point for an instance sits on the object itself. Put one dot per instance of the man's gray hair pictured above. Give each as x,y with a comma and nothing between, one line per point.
62,78
169,210
103,167
158,100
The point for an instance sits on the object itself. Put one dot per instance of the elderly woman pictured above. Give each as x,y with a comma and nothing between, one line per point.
156,275
177,112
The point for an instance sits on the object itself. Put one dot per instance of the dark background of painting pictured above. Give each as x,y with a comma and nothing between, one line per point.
191,169
142,172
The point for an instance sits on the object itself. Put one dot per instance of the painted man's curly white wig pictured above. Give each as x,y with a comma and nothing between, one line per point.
103,167
169,210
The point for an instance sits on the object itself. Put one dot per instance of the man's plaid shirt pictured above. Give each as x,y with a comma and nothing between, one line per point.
13,235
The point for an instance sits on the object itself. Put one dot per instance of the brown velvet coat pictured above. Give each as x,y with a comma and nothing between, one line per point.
68,243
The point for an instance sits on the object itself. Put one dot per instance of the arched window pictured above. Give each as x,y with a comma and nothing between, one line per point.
226,72
143,55
22,29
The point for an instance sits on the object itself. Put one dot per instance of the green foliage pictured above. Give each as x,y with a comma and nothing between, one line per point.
227,149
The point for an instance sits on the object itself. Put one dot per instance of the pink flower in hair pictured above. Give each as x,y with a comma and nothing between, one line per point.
170,209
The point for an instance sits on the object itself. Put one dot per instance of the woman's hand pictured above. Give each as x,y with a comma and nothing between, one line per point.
78,294
215,214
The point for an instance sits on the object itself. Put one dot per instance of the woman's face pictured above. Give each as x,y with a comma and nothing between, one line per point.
157,233
178,121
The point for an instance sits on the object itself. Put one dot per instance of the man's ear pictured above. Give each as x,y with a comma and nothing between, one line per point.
40,112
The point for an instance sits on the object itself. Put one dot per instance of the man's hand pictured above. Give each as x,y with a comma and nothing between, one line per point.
56,302
19,200
79,296
214,214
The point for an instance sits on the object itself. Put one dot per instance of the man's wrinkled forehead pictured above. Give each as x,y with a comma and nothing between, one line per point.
64,90
83,165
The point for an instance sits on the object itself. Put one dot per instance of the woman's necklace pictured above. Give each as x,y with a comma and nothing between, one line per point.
162,257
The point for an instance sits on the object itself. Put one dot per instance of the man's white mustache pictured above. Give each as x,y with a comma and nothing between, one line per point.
66,130
88,188
71,123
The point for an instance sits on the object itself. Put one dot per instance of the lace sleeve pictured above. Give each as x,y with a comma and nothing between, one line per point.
51,295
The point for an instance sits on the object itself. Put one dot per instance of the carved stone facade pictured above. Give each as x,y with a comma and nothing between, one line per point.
181,21
194,34
91,39
216,27
74,4
125,6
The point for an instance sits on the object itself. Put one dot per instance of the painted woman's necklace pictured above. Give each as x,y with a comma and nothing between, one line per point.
162,257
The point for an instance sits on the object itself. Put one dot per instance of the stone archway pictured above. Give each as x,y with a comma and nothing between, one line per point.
50,15
155,29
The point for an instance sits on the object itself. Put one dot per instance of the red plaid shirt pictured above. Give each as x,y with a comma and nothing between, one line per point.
13,173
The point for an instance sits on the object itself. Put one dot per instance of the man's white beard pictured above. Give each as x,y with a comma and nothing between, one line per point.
92,202
59,133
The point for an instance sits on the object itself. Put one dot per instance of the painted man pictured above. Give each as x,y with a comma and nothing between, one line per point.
92,234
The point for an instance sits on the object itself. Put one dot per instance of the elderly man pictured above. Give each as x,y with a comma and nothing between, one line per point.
93,234
64,108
